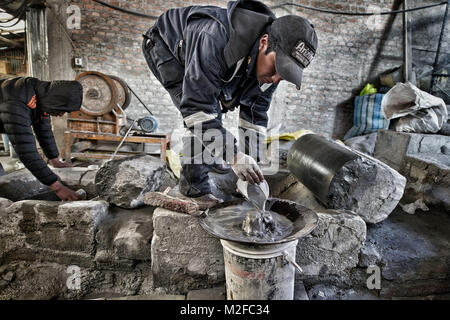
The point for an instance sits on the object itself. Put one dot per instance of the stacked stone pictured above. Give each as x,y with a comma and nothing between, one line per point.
124,182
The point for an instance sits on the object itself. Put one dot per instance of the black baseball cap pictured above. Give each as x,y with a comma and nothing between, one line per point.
296,45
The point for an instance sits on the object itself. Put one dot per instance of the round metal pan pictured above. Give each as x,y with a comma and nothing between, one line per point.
304,220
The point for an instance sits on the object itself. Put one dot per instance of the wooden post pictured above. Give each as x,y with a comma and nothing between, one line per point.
67,139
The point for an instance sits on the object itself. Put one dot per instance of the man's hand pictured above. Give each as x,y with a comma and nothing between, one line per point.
247,169
64,193
56,163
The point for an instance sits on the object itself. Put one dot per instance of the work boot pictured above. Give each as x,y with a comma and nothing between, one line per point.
221,168
207,201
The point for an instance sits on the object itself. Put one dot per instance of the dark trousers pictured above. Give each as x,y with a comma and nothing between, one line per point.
194,181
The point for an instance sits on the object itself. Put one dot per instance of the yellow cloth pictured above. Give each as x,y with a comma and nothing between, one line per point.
287,136
174,162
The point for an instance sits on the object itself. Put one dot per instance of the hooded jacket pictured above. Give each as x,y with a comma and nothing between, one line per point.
26,103
214,46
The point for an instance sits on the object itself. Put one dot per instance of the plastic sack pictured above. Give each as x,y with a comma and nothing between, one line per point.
367,116
418,110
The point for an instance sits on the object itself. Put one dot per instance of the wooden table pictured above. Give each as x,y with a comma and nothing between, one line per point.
154,138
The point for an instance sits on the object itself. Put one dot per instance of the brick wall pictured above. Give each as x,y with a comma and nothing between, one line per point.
352,51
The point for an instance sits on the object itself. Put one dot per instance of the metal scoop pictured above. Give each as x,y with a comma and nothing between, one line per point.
255,193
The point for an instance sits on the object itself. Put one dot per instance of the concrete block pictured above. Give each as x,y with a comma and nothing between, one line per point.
333,247
63,227
391,148
125,234
81,220
184,256
124,182
428,182
12,238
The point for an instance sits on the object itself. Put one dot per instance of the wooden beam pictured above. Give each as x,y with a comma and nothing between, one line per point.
13,43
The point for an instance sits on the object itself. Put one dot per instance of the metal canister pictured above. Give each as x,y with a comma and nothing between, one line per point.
315,160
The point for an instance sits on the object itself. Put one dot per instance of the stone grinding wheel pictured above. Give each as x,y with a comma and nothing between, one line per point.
99,93
123,92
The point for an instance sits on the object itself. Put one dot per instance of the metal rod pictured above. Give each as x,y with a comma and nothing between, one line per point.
92,121
123,139
436,59
139,100
292,261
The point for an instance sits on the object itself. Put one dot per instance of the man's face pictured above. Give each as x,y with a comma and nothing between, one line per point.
265,64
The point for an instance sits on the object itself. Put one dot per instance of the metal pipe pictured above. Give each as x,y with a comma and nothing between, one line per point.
406,44
441,36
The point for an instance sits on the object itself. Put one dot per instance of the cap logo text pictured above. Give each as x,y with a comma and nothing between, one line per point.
302,53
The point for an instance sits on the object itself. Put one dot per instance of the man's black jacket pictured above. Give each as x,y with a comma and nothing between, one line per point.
27,102
216,47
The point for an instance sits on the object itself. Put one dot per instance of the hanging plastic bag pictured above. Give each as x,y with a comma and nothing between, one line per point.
418,110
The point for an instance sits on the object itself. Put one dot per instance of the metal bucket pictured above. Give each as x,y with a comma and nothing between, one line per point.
259,272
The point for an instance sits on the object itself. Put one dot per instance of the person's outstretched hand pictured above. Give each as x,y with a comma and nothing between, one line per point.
56,163
64,193
247,169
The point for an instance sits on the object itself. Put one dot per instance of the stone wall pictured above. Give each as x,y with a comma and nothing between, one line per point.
352,51
424,160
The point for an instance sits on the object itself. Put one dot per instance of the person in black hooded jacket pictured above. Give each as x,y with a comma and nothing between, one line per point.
27,103
212,60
